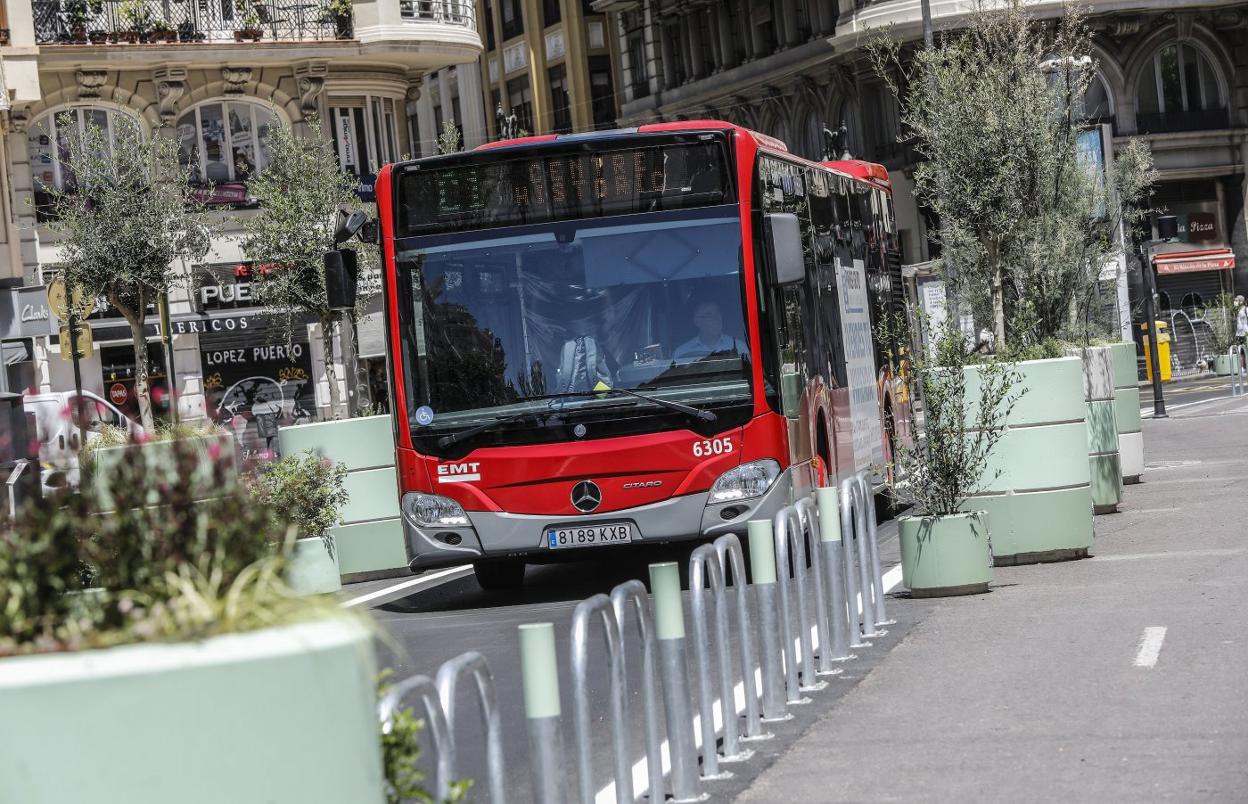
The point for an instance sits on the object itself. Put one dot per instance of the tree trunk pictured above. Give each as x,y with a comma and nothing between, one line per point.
331,374
142,386
998,297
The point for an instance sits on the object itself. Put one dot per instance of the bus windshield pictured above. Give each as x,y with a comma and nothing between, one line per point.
497,322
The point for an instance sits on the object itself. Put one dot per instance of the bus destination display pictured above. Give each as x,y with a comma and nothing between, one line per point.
567,186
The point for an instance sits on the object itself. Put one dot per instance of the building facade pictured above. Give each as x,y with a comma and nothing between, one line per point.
215,77
1174,74
551,63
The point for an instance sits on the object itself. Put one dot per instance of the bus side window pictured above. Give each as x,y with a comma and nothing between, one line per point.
841,206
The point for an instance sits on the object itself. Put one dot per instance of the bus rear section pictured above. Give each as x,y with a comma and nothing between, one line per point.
575,349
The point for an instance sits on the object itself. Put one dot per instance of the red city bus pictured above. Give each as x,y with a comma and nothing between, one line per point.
626,337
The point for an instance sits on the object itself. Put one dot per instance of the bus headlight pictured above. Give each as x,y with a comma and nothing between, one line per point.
433,511
745,481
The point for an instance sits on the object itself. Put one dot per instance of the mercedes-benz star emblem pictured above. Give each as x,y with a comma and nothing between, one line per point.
586,496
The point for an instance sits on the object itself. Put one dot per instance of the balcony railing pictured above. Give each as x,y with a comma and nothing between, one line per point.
1194,120
446,12
59,22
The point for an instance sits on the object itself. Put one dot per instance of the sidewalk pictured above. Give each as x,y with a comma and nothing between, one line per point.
1033,692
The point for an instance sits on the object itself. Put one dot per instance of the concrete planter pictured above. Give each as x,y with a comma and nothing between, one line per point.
1222,365
1127,411
279,715
1103,460
162,461
945,555
371,542
313,569
1036,488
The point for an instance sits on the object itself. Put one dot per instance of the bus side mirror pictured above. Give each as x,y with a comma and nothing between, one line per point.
784,239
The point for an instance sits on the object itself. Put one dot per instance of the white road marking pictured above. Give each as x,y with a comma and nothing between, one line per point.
1150,646
1147,413
414,584
641,777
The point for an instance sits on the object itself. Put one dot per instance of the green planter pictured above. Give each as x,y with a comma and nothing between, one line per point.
945,555
313,569
1127,411
161,460
1222,365
280,715
1036,488
1098,392
370,543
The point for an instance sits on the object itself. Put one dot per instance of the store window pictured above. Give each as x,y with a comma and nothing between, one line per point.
1098,105
559,104
365,133
639,77
48,141
223,144
1179,90
601,93
118,371
520,98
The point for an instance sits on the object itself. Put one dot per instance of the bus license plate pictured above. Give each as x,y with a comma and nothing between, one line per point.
589,535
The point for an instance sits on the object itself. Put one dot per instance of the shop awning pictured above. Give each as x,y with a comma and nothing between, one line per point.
1187,262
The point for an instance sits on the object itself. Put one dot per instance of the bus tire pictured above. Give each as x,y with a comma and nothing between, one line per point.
507,573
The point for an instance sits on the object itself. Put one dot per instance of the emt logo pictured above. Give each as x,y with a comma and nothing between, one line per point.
459,472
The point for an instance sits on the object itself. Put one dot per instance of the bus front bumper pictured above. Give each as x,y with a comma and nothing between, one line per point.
495,535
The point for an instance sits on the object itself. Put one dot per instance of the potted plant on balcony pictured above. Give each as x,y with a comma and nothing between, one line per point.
945,544
77,12
138,19
162,31
249,22
340,16
115,619
310,488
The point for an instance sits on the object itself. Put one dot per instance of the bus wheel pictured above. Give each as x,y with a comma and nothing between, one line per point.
507,573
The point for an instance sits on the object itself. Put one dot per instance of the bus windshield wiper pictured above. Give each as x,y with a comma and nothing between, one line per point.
688,410
454,438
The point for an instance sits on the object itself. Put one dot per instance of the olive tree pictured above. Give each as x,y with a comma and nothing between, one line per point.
128,214
300,193
994,109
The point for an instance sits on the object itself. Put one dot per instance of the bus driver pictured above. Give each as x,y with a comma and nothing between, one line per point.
711,338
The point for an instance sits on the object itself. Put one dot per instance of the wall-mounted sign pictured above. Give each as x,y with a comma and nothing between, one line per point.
223,194
25,313
1201,227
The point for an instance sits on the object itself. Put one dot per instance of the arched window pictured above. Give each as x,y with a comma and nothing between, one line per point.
48,140
1179,90
1098,104
225,141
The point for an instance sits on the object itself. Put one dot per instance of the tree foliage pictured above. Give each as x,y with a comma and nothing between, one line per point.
995,110
128,215
300,193
450,141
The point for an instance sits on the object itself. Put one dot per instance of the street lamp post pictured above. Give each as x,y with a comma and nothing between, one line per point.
1167,229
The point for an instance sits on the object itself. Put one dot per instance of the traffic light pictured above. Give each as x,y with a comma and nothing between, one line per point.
341,275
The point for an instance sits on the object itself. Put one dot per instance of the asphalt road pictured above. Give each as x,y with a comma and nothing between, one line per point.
1179,395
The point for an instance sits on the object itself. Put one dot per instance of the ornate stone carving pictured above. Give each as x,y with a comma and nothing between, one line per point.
310,79
19,119
1229,18
236,79
170,83
90,82
414,85
1183,24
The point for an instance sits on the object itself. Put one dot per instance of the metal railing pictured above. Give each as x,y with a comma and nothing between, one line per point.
445,12
830,540
190,21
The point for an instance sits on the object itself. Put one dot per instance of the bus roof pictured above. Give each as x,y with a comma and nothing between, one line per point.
867,172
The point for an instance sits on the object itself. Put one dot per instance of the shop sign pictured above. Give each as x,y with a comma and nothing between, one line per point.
25,313
118,393
198,325
365,187
1201,227
224,194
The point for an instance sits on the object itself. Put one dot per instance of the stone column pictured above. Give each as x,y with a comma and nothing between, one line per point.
424,124
727,47
789,36
626,61
471,104
749,31
652,37
576,62
669,57
687,46
696,52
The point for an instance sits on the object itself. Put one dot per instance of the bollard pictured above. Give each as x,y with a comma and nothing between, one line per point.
435,717
848,506
731,557
763,568
873,541
808,515
830,554
635,592
704,566
791,544
599,606
866,587
539,668
1237,373
669,627
449,673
